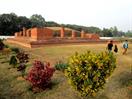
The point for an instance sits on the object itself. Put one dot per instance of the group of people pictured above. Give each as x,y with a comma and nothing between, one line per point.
124,45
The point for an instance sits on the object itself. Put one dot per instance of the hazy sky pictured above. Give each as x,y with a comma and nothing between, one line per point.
99,13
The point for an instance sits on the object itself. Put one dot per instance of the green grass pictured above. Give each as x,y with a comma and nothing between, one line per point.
119,85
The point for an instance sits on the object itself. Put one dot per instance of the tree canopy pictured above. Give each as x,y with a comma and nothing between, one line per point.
8,24
37,21
11,23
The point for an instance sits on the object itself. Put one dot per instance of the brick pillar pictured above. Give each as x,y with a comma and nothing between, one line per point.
73,34
21,34
28,33
24,31
16,34
62,32
82,34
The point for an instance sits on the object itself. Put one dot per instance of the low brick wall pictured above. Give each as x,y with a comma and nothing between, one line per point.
33,44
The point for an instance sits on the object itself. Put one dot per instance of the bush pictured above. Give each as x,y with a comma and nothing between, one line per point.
6,46
13,61
22,57
15,49
19,60
1,44
60,65
40,75
88,72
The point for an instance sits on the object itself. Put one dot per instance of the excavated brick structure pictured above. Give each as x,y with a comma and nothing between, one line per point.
35,37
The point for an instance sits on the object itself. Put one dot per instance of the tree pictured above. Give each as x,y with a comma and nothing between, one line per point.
52,24
114,31
11,23
128,33
8,24
93,29
23,21
37,20
107,33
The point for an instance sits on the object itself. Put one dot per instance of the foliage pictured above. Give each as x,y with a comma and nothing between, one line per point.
86,29
8,24
128,33
13,61
40,75
37,20
107,33
15,49
22,57
60,65
52,24
11,23
6,46
114,31
88,72
19,60
23,21
1,44
21,67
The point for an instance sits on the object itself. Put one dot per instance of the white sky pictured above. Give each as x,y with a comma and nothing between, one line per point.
99,13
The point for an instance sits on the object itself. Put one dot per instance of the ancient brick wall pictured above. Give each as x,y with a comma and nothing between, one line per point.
82,34
92,36
34,33
62,31
28,33
41,33
44,33
16,34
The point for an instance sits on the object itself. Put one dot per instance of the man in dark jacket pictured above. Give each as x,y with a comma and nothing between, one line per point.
110,45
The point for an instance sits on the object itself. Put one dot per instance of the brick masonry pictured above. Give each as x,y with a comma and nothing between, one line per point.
41,36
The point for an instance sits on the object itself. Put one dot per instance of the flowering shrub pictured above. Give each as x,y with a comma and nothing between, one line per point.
88,72
22,60
40,75
19,60
22,57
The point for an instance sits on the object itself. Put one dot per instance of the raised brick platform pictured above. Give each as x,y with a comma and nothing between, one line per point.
36,37
33,44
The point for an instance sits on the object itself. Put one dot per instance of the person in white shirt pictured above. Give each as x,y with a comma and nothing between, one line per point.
125,47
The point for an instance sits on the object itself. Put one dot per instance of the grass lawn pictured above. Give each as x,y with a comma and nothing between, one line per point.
119,85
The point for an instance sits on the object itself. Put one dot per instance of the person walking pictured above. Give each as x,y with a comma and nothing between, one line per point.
125,47
116,49
110,45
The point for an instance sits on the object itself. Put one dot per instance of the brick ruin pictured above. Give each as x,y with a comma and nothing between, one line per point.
36,37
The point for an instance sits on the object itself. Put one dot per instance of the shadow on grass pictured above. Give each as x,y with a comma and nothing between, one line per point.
99,97
50,86
6,61
125,79
53,85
